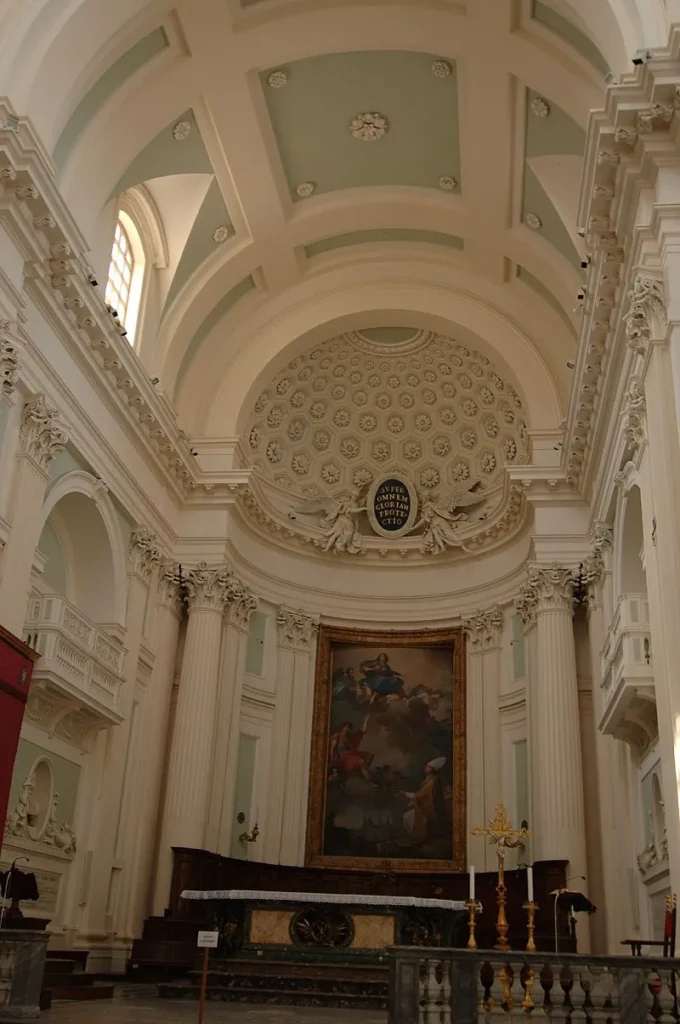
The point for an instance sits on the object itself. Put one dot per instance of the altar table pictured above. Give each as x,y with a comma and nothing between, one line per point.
329,924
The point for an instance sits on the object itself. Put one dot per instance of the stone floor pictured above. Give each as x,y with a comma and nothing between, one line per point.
129,1008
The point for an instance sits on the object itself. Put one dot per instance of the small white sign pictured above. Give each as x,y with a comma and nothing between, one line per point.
207,940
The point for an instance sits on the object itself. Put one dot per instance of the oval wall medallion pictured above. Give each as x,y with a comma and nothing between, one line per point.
392,506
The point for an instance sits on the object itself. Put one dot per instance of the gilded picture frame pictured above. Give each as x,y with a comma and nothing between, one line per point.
339,759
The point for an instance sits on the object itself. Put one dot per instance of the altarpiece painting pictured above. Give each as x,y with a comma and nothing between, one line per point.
387,778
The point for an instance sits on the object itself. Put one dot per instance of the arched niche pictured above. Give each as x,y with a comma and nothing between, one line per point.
630,575
84,519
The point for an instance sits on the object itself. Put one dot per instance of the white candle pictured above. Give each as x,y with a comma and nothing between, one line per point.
530,884
472,883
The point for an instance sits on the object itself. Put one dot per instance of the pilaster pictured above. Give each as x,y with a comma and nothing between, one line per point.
291,737
485,788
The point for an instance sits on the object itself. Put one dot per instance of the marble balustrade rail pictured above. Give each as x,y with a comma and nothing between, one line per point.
455,986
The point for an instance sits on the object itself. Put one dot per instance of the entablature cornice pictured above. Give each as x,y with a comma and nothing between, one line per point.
58,278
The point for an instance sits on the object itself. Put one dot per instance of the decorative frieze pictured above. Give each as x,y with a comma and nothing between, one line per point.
145,554
41,435
484,629
9,359
296,629
646,317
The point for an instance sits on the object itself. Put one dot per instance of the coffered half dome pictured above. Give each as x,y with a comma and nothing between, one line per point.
386,400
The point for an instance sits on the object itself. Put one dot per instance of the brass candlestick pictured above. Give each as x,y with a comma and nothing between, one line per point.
531,909
501,899
473,906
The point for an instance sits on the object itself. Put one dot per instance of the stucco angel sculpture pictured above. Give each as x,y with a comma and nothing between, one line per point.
340,522
440,518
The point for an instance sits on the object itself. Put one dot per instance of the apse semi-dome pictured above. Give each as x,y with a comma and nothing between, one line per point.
380,408
358,405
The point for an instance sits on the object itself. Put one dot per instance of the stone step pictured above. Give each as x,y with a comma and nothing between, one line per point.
296,968
59,965
55,979
303,996
76,993
78,956
292,984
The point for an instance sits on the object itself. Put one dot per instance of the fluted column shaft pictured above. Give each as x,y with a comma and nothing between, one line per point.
291,736
485,789
41,438
191,755
559,820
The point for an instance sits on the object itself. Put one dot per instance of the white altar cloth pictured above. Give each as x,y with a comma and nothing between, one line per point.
320,897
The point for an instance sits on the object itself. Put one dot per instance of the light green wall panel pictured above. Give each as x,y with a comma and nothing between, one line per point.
545,293
382,235
536,201
68,461
222,307
522,782
243,793
104,87
311,118
561,27
55,571
66,776
200,243
166,155
518,652
556,133
256,642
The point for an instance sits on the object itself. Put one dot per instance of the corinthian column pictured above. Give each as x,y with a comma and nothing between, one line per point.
556,773
240,605
484,630
41,438
191,754
291,737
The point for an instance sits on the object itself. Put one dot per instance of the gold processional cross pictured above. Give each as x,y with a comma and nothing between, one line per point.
504,837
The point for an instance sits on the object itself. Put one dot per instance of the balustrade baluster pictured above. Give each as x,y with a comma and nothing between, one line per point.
429,1012
668,1002
486,983
445,992
654,988
547,979
601,995
567,985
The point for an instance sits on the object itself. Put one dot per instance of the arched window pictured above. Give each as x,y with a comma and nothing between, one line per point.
126,273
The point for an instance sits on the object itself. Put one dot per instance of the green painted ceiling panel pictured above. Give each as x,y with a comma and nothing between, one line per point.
200,243
166,155
561,27
556,133
104,87
524,275
535,200
383,235
223,306
311,118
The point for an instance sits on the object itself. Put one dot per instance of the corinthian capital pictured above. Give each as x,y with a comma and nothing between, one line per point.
9,359
550,586
145,553
296,629
41,435
207,586
484,629
241,603
170,589
646,317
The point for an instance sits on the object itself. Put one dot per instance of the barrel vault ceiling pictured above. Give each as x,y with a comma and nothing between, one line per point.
279,137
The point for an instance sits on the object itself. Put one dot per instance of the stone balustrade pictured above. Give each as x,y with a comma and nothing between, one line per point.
76,655
628,692
456,986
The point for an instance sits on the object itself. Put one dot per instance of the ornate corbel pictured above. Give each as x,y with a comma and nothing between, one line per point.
9,359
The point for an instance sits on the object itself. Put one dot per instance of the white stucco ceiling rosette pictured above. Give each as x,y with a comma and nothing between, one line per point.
354,410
